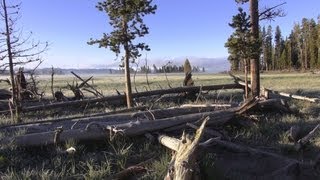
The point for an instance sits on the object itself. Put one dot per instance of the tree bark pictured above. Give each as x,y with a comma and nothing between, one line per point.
254,61
127,64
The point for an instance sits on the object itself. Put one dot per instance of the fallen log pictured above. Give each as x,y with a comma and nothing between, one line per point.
102,130
80,122
134,95
268,93
272,94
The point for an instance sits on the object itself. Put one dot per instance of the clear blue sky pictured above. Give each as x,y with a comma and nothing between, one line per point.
180,28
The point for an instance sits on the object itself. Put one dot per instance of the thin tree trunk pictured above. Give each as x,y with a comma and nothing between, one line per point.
13,84
254,61
127,66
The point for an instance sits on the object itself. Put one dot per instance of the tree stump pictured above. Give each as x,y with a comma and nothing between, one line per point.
184,164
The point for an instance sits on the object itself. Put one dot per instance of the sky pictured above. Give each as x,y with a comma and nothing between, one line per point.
180,28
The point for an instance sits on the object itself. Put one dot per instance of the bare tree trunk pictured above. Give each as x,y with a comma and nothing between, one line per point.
13,84
254,61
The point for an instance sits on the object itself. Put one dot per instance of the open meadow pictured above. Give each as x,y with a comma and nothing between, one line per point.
265,130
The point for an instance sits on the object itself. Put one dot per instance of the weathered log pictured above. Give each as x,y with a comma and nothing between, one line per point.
81,121
209,105
272,93
104,129
134,95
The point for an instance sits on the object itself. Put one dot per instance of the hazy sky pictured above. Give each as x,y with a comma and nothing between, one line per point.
180,28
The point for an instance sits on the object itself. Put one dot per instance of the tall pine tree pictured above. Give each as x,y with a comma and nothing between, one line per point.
126,18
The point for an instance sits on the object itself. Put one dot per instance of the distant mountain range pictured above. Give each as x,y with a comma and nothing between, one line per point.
211,65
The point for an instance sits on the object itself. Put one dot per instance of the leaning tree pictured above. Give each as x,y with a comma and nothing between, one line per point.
126,19
16,49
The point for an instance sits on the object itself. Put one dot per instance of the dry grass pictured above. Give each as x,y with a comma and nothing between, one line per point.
98,161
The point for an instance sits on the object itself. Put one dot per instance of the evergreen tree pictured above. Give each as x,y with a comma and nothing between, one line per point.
268,48
239,44
126,18
313,47
277,50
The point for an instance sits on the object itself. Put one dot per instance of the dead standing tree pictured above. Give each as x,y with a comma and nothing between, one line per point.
16,49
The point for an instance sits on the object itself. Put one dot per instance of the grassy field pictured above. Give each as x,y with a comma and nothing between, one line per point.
97,161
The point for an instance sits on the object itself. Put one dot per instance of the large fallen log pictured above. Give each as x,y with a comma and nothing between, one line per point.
81,122
102,130
134,95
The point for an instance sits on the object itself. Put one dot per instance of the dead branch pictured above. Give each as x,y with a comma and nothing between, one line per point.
303,141
87,84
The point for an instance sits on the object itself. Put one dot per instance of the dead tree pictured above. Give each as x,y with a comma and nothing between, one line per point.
19,51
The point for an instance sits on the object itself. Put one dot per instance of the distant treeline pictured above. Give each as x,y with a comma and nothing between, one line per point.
169,69
299,51
143,69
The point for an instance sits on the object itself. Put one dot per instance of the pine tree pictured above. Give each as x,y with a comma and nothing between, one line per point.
239,44
126,18
268,48
313,48
277,50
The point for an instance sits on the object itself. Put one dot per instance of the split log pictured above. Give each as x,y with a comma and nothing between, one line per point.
118,98
184,164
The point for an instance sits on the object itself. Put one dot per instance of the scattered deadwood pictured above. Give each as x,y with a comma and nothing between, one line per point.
121,98
85,82
303,141
184,165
